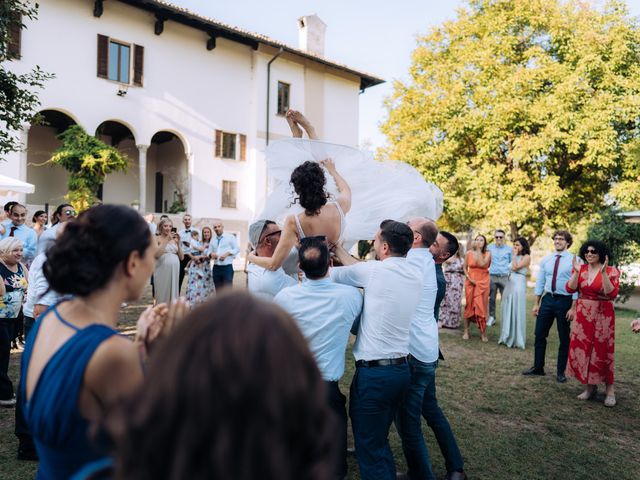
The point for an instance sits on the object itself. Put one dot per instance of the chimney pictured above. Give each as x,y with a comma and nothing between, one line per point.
311,34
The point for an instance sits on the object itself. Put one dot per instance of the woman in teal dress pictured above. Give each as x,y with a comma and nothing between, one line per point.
76,366
514,301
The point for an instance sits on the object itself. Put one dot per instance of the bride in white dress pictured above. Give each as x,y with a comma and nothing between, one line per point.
345,207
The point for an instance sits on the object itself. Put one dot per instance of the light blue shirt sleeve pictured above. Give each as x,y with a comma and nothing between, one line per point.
540,279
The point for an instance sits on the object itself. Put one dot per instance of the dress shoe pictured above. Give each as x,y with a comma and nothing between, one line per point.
533,371
561,378
456,476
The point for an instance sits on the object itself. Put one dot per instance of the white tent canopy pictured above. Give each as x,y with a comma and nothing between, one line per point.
10,185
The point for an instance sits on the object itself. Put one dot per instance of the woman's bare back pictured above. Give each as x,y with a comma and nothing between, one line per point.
329,222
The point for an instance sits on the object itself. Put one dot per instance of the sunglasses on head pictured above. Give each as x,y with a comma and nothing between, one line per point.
272,233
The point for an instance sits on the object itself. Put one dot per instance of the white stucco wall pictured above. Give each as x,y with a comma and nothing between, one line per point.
187,90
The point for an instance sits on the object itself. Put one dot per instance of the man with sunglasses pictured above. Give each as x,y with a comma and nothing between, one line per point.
392,291
325,312
553,302
499,271
264,236
62,214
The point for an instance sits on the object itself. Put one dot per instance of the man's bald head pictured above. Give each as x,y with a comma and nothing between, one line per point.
425,232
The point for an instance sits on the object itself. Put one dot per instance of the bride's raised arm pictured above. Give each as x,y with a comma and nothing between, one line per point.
344,197
288,240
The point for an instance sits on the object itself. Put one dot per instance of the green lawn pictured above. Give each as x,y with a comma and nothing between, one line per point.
508,426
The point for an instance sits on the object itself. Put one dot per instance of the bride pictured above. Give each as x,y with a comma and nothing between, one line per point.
320,216
346,206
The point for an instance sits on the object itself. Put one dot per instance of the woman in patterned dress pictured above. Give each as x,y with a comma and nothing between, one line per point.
476,267
13,286
199,278
451,305
591,349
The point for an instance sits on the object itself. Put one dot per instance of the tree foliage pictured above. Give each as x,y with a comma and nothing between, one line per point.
521,111
18,102
88,160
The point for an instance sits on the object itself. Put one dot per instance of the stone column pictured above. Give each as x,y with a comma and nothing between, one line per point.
142,163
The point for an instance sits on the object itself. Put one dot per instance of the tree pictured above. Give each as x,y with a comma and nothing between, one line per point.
623,239
18,103
88,160
521,111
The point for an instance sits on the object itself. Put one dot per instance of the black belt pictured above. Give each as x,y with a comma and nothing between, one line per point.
559,295
383,362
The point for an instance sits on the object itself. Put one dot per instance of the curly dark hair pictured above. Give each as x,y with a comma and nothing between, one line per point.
309,182
600,247
526,249
87,254
235,394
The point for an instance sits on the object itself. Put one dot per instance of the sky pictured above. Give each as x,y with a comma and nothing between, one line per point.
376,36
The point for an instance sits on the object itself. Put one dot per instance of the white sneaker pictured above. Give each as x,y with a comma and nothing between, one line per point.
491,321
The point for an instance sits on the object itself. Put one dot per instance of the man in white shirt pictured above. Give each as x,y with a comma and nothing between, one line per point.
264,236
222,249
392,291
420,399
185,239
62,214
324,312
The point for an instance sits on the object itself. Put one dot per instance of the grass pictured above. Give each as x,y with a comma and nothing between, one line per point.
508,426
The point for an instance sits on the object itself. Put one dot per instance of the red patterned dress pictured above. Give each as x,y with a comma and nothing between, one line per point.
591,349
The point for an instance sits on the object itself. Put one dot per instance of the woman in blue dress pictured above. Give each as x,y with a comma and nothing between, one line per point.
514,301
76,366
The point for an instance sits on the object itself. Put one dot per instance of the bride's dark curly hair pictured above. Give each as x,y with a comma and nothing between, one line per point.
309,182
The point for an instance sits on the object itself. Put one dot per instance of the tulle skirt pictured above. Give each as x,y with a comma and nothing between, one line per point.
380,190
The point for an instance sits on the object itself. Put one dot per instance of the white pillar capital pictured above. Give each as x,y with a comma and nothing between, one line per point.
143,148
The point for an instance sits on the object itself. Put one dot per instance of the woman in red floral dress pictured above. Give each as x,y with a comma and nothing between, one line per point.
591,350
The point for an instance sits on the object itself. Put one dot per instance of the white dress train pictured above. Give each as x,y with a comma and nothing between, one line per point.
379,189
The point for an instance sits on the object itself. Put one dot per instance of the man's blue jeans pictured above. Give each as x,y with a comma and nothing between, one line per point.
421,400
376,394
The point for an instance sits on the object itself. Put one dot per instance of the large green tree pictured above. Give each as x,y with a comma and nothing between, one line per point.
18,99
521,111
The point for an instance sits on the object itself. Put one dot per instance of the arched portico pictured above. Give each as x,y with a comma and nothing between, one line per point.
50,180
120,187
167,172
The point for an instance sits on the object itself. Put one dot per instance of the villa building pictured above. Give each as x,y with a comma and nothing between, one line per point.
192,102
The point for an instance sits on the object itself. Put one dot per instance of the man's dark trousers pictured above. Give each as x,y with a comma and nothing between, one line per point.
376,394
337,402
222,276
421,400
552,307
183,266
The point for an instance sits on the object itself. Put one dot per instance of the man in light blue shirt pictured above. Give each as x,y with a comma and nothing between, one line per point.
18,229
554,302
420,400
499,271
222,249
325,312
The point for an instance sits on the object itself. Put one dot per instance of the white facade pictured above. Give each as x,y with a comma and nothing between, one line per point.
187,91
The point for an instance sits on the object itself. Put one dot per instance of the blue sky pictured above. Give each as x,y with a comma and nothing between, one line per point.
376,36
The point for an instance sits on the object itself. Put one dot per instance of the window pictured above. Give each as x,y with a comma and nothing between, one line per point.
115,59
283,98
119,62
231,146
229,194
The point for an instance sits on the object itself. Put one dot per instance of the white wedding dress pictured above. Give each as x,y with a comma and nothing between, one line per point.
379,190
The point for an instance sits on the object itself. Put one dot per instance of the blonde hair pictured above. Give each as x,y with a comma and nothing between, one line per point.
162,222
9,244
